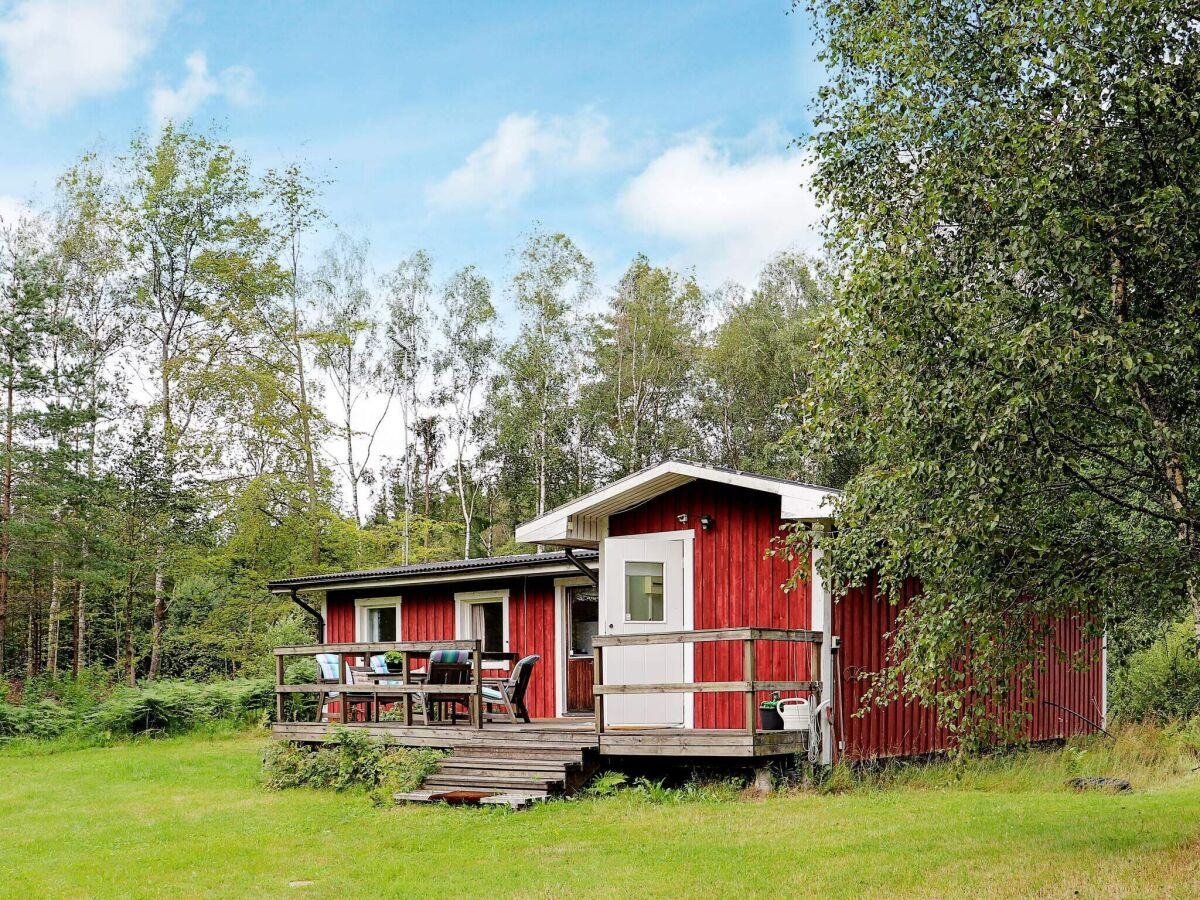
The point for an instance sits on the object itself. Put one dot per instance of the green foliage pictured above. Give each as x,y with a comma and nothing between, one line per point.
179,706
89,712
1160,683
606,784
346,761
1013,347
41,720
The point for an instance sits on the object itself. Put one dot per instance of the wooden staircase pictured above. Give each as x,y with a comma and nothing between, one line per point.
504,775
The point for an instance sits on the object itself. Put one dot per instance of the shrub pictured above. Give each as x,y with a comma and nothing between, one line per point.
40,720
1160,683
348,760
176,706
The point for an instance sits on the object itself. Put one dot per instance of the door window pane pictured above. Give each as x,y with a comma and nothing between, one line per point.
382,621
644,592
487,624
585,620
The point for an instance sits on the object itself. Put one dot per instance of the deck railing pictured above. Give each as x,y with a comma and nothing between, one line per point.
750,686
404,690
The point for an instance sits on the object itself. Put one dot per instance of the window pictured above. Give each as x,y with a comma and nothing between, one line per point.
644,592
378,619
487,623
483,616
584,612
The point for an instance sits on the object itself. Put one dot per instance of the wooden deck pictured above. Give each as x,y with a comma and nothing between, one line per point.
575,734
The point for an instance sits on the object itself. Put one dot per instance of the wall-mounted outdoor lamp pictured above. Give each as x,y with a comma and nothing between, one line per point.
706,522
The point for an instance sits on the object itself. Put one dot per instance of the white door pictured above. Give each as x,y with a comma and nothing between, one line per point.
645,588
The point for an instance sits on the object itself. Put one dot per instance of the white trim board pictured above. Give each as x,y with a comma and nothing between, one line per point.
362,604
560,639
464,600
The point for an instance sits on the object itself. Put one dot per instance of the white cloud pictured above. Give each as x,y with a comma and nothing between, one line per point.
236,84
505,167
728,217
58,52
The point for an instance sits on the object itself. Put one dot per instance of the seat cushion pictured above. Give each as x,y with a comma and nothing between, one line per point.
490,693
450,656
329,665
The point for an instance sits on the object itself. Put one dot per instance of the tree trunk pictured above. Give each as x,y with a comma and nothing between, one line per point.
160,618
130,668
310,466
6,516
77,651
53,618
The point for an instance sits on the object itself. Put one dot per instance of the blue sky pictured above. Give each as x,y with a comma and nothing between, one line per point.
652,127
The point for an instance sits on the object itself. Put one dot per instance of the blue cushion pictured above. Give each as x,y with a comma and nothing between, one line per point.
490,693
329,664
378,663
450,656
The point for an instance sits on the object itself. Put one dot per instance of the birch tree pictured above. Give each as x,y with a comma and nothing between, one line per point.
535,396
349,353
409,288
463,363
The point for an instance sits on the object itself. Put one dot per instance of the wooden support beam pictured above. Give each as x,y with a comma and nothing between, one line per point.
748,672
598,685
278,683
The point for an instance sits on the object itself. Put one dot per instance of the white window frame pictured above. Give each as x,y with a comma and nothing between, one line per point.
465,600
560,637
362,608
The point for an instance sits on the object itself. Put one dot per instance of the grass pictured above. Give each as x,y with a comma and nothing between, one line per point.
188,815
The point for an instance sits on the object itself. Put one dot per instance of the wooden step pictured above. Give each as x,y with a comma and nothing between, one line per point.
509,752
483,782
511,799
484,762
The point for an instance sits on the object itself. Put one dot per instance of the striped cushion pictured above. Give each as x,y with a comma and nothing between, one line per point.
450,656
378,663
329,665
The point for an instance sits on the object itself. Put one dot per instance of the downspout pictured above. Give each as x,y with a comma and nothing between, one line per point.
593,577
312,612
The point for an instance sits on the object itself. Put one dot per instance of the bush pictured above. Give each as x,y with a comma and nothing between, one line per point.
180,705
39,720
1160,683
348,760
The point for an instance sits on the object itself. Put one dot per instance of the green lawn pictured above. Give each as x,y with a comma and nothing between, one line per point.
187,816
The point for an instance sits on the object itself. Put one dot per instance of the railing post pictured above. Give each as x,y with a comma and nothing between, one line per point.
598,681
406,703
748,673
477,684
278,693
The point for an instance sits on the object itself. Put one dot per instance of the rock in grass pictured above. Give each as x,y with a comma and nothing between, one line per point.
1118,785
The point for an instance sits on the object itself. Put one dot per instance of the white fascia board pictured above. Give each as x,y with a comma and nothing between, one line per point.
797,501
808,504
449,578
543,528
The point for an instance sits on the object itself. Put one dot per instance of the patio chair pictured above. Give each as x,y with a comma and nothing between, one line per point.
508,695
446,667
358,675
328,665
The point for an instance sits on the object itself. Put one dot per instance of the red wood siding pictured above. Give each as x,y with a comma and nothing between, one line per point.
862,618
736,585
427,614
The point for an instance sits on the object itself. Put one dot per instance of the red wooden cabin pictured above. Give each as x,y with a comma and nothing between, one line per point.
659,566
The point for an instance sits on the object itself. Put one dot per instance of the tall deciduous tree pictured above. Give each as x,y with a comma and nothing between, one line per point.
463,363
187,213
349,353
757,364
535,397
1014,189
409,288
645,359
